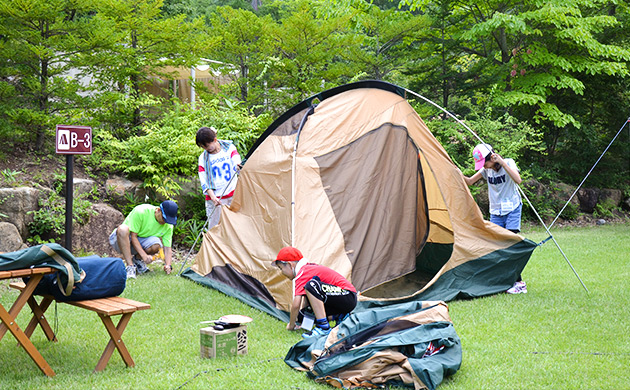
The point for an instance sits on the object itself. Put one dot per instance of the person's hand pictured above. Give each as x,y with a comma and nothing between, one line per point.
497,159
292,327
148,259
168,269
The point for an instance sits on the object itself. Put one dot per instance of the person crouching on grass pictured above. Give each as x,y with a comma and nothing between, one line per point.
328,293
145,230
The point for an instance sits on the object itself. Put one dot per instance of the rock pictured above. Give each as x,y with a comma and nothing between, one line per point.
94,235
534,187
588,198
15,204
600,222
118,188
611,196
10,238
563,192
80,186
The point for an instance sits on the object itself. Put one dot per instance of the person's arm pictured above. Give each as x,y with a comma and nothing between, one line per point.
213,197
236,158
203,179
295,309
136,244
168,256
473,179
510,171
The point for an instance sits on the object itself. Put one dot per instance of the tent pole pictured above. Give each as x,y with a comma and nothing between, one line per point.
553,238
589,172
293,163
519,188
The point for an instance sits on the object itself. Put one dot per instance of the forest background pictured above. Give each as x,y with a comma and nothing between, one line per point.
544,82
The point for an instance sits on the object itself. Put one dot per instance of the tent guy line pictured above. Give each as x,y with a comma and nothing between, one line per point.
589,172
227,368
517,186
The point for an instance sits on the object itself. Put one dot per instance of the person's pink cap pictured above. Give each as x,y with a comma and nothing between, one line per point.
479,154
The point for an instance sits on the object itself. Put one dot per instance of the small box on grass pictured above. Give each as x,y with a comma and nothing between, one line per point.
223,343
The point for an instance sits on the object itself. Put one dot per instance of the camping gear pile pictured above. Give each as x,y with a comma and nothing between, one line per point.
411,344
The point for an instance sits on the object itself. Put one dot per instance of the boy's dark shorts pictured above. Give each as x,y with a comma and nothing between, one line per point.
336,299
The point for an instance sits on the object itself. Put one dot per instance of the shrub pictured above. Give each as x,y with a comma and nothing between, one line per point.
167,147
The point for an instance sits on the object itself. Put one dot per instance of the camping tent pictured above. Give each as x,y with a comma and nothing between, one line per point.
369,192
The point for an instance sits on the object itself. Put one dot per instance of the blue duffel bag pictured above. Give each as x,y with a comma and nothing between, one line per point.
104,277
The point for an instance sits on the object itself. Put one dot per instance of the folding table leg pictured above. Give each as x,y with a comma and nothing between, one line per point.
21,300
39,318
115,333
24,341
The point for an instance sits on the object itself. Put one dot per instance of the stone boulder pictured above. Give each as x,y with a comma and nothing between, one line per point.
118,188
94,235
612,196
80,186
10,238
15,204
562,192
588,198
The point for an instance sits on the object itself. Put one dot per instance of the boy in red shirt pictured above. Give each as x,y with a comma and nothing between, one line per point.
328,293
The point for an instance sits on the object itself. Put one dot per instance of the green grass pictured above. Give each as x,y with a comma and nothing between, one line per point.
555,337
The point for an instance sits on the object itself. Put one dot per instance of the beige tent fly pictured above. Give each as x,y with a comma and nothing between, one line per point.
354,179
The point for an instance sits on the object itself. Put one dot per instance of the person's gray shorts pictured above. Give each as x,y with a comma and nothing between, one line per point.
145,242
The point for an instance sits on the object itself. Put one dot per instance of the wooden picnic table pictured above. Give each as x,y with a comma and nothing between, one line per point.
35,275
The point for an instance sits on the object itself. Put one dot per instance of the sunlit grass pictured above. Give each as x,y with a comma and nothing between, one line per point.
557,336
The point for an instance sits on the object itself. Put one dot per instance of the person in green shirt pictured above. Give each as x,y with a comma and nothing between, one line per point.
145,230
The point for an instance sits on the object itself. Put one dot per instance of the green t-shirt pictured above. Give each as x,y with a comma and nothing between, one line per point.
141,220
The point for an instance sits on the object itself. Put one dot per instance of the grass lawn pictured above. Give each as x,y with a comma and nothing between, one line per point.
557,336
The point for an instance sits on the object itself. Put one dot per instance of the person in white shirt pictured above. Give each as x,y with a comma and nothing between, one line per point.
506,204
219,163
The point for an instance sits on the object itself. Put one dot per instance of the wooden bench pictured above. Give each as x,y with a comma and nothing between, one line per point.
104,307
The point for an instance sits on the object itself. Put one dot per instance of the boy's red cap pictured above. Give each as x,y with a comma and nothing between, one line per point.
288,253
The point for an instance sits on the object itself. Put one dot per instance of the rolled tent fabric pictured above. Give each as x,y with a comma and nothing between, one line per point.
412,344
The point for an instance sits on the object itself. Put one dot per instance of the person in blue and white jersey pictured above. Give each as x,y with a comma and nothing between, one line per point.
218,165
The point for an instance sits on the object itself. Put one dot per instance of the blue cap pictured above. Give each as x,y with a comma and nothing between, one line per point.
169,212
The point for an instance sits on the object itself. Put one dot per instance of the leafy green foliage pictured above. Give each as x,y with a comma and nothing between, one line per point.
605,209
49,220
167,147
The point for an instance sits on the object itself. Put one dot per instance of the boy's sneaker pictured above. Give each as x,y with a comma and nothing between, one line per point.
131,271
141,267
518,288
317,332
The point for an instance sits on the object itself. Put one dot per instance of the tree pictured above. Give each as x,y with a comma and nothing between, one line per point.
385,39
143,44
309,48
533,58
40,46
244,46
